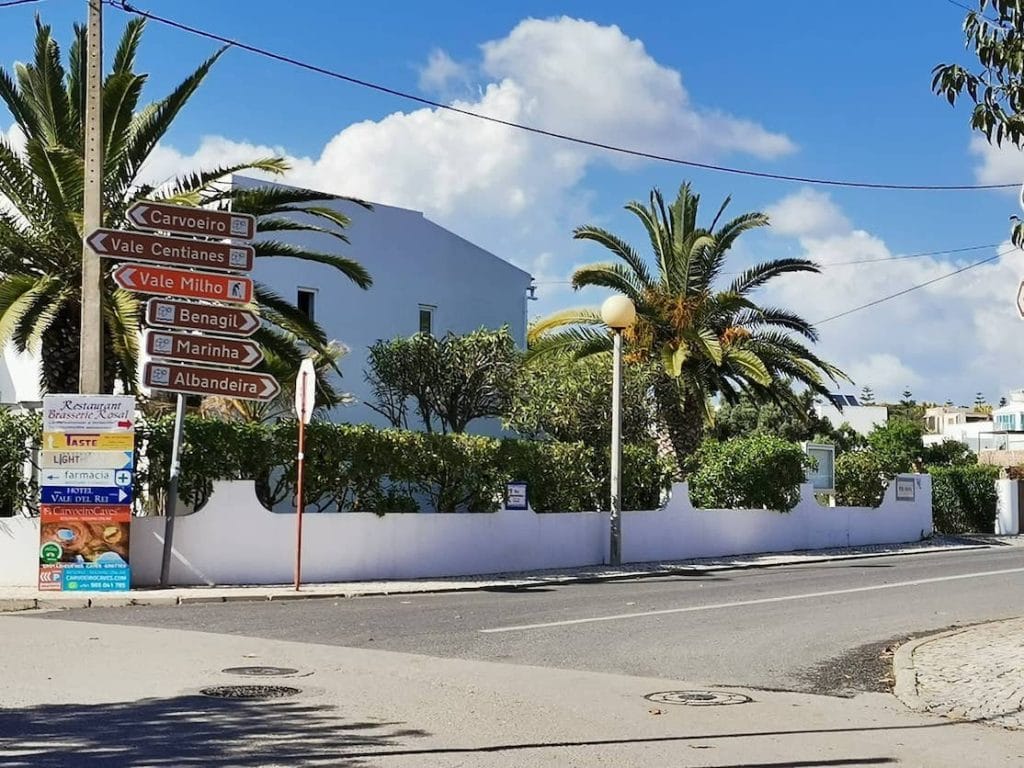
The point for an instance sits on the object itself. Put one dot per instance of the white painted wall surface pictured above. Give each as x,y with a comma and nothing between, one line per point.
19,377
1007,507
412,261
976,435
863,418
234,540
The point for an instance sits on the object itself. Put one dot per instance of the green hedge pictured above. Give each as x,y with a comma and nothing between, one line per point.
964,498
361,468
19,435
862,478
754,472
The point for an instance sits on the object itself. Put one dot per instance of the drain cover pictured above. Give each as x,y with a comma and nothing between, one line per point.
249,691
260,671
698,698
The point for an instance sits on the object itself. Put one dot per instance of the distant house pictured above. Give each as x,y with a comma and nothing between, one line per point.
425,278
965,425
846,409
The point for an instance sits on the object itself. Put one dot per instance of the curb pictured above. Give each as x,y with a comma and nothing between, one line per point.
8,605
904,672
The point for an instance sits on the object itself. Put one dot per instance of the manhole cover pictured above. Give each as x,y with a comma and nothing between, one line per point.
249,691
698,698
260,671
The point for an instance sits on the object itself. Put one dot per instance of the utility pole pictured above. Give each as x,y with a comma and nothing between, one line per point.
90,350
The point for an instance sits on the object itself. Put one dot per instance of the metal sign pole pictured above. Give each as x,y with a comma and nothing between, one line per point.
298,483
172,491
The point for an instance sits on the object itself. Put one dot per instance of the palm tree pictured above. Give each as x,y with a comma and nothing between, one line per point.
710,342
41,224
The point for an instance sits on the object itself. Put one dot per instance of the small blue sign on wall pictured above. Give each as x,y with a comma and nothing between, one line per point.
62,494
515,496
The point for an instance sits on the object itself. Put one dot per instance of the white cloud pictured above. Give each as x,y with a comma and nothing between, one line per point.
997,165
441,72
806,213
514,193
945,340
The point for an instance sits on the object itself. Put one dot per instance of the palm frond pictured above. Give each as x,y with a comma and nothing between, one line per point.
614,276
759,274
121,317
352,269
620,248
560,319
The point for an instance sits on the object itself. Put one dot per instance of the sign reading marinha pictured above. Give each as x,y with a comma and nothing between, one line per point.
99,413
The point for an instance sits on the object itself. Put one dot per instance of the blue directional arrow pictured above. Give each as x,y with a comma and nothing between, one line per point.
60,494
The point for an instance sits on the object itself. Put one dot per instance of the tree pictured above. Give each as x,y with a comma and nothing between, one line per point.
706,340
570,400
454,379
867,396
979,401
41,224
996,87
1002,402
898,445
907,398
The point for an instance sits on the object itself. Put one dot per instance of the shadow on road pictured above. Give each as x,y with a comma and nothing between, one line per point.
190,730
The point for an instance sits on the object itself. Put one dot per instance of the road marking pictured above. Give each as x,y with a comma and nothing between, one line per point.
759,601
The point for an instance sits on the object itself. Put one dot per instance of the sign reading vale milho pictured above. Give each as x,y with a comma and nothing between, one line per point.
93,413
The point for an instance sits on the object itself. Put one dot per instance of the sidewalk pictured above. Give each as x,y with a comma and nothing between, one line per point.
975,673
27,598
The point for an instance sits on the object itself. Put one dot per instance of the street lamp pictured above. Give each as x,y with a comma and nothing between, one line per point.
618,313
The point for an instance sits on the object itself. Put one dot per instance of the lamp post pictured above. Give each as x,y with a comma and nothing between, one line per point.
618,313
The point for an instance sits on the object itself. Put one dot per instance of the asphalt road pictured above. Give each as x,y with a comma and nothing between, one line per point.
816,628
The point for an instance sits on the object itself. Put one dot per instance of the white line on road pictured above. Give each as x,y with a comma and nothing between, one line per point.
760,601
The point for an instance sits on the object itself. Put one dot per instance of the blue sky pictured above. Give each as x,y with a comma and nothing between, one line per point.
838,90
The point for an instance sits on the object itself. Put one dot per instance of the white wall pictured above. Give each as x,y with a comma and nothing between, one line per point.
863,418
19,377
234,540
1007,507
412,261
976,435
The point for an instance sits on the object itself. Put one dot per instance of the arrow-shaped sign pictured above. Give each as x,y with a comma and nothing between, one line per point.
204,349
139,246
183,220
142,278
201,317
196,380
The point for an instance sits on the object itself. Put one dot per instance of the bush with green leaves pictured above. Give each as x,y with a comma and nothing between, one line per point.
898,444
19,436
964,498
862,478
754,472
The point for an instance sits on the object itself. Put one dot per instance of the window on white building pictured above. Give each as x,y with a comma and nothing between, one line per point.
427,318
305,301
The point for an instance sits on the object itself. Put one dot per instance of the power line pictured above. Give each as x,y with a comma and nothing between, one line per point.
10,3
972,10
126,7
905,291
846,263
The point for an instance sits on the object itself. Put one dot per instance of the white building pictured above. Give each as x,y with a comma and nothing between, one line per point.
861,418
944,422
425,278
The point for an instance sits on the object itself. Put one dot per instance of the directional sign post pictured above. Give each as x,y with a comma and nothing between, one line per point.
1020,299
184,220
68,494
228,321
119,478
204,349
164,281
177,251
197,380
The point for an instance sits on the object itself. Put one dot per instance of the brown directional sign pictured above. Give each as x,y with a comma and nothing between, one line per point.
197,380
183,220
201,317
163,281
139,246
204,349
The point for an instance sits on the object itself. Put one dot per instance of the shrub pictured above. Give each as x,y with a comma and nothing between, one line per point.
19,435
559,476
752,472
964,498
862,478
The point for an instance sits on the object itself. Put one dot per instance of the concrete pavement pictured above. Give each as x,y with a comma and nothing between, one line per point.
973,673
26,598
86,694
